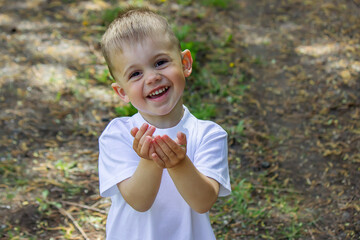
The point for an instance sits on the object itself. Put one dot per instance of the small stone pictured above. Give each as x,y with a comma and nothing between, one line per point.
265,164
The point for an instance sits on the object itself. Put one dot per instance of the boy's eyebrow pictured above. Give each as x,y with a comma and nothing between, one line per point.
161,54
128,69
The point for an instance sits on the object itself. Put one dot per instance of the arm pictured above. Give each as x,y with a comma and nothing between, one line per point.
198,190
140,190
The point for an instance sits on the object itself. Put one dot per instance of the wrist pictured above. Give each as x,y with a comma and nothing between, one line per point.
149,163
180,165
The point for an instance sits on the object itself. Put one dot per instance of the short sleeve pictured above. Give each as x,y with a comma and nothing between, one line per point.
117,159
211,157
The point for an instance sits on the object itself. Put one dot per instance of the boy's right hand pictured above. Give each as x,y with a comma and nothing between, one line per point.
142,140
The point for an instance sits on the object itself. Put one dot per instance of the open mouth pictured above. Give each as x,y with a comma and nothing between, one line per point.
158,92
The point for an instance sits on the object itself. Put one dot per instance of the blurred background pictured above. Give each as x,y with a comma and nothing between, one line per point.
280,76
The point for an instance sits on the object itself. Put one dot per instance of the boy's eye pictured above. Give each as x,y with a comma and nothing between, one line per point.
161,62
135,74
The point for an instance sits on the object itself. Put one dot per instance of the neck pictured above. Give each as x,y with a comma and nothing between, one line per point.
166,121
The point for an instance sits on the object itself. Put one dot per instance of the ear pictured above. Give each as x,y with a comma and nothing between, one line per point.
187,62
121,92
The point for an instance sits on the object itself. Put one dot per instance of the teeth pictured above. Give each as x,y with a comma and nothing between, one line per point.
158,91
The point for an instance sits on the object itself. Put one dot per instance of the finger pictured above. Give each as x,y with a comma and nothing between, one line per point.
169,142
151,149
145,148
139,134
149,132
167,149
179,151
159,151
142,130
157,160
181,139
134,131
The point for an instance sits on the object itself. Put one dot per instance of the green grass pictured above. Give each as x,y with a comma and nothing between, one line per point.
44,203
127,110
208,3
237,131
104,77
12,173
267,209
208,79
216,3
65,167
204,111
109,15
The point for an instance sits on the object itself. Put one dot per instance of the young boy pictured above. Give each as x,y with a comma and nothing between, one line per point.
162,167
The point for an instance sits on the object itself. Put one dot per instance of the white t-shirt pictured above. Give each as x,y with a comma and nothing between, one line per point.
170,217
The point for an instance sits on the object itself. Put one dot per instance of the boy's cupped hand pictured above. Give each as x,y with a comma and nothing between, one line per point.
164,151
168,152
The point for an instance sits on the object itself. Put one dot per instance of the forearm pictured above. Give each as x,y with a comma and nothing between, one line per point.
140,190
198,190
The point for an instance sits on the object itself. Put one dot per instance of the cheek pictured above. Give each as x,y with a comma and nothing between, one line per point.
134,92
178,76
181,80
136,87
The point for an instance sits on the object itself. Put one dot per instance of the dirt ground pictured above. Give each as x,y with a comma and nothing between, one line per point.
301,112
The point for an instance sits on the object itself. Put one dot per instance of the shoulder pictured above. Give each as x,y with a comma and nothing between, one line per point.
118,124
211,127
206,127
211,132
204,132
118,128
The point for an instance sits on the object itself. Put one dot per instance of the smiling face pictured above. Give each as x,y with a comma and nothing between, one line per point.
151,75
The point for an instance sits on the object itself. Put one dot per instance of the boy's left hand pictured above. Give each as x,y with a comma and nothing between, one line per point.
168,151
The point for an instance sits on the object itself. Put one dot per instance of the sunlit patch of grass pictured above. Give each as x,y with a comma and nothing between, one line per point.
259,208
65,167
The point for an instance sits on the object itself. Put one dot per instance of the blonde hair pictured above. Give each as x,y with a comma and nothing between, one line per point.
133,26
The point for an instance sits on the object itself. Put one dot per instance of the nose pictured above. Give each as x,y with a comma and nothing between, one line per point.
153,77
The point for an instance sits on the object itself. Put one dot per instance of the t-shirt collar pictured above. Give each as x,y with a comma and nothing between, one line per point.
139,120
